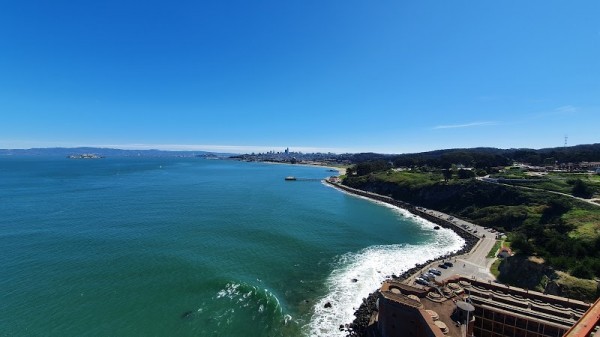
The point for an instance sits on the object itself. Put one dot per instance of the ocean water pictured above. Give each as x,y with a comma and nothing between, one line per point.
192,247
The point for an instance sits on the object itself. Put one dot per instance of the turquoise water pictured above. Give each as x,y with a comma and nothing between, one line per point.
191,247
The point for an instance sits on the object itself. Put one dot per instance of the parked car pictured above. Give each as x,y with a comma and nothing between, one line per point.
435,271
422,281
449,264
443,266
428,276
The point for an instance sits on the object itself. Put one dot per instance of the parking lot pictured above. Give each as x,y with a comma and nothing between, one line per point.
474,264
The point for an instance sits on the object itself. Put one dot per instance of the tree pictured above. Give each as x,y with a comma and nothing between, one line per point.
520,243
447,174
371,166
582,190
481,173
554,210
465,174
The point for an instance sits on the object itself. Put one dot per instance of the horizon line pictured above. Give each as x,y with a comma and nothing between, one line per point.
246,149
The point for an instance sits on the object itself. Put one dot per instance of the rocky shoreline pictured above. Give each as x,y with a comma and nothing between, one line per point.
363,314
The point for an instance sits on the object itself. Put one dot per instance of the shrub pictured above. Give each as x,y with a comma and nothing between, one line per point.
582,271
582,190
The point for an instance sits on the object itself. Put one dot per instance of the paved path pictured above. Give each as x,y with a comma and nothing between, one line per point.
589,201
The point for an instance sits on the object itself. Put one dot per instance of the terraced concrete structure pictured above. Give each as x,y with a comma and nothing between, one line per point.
461,306
509,311
587,325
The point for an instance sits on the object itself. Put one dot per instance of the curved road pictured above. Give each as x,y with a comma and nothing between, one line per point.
473,264
589,201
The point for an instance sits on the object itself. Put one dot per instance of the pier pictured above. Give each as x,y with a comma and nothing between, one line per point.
291,178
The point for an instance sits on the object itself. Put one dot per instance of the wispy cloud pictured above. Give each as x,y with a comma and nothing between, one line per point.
566,109
466,125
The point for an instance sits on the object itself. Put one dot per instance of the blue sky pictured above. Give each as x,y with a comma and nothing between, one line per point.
341,76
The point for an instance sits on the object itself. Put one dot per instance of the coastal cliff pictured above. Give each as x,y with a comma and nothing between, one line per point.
453,198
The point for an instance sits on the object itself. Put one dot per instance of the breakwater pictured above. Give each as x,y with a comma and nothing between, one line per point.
364,313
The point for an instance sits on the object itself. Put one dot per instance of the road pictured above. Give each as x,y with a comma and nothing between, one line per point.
473,264
589,201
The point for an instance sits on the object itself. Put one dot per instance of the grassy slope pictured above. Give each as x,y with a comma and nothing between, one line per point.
585,221
575,287
558,182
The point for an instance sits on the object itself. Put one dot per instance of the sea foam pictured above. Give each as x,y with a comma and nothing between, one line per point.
356,275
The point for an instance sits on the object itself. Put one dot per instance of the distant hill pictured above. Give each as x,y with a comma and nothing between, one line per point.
486,157
107,152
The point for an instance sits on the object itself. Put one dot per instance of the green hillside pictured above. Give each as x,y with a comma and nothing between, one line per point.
562,230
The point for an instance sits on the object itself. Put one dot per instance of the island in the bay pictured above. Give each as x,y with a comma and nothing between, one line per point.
85,156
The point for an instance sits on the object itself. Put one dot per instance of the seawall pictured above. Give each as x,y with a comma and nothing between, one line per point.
469,237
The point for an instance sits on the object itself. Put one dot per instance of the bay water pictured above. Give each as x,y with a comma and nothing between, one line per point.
192,247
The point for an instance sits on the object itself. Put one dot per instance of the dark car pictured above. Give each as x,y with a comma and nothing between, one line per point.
449,264
422,281
435,271
427,277
443,266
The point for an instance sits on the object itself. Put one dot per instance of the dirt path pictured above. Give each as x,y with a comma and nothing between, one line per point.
589,201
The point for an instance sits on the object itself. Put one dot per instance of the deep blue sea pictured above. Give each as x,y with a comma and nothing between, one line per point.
192,247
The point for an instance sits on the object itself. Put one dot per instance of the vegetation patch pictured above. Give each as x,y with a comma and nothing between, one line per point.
577,288
585,221
582,185
494,251
494,268
409,178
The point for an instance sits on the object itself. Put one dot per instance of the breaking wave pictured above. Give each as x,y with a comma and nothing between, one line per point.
240,308
249,296
356,275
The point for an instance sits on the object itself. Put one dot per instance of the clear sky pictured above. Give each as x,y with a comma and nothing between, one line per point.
345,76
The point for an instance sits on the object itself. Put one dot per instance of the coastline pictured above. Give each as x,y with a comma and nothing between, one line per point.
358,327
471,239
340,170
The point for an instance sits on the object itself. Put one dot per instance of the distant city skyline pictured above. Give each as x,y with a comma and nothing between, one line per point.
352,76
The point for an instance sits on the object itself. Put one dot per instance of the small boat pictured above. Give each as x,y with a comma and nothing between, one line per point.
290,178
436,227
